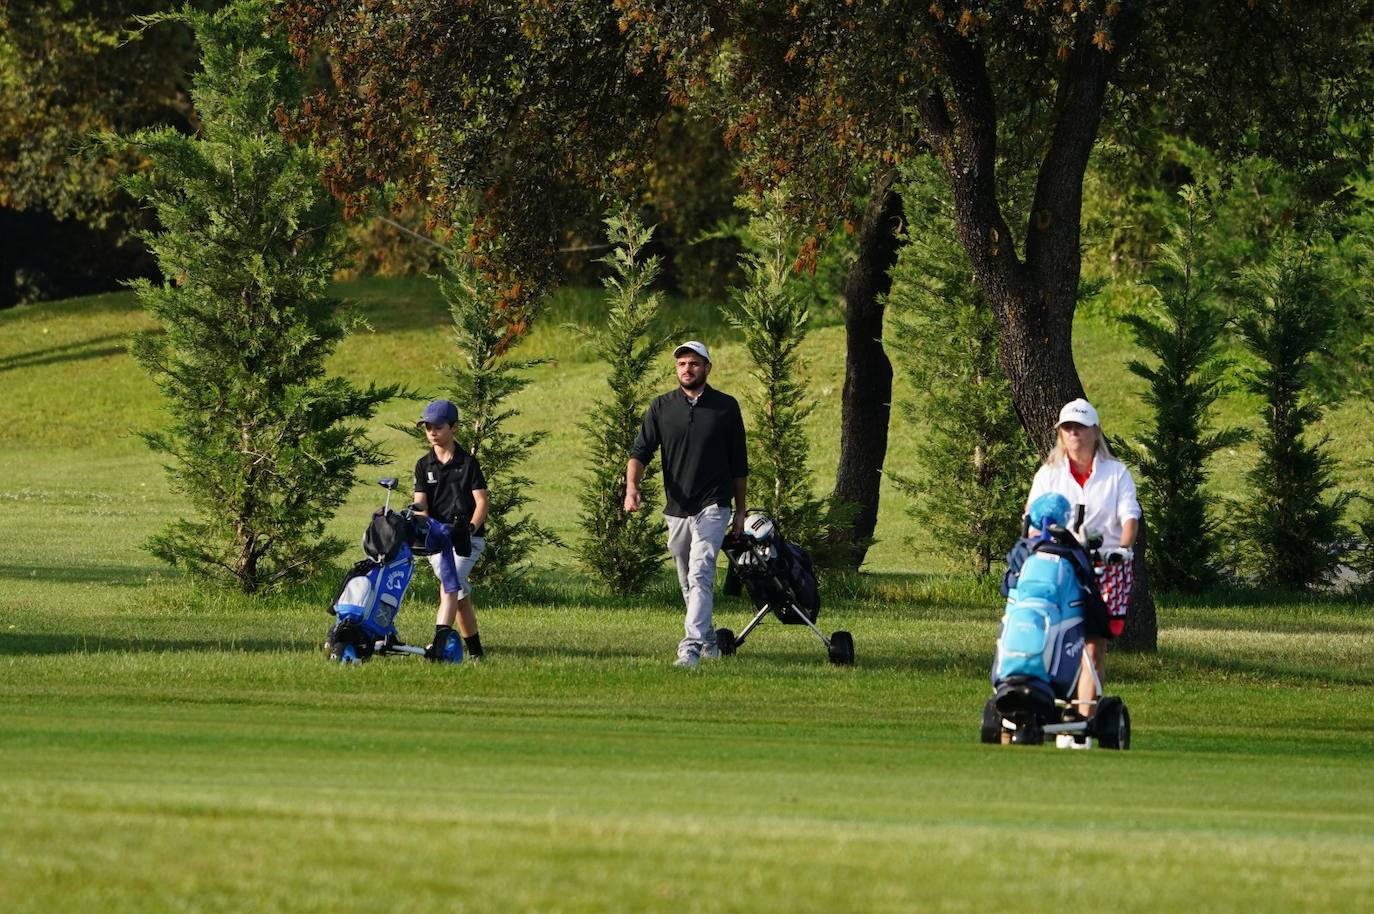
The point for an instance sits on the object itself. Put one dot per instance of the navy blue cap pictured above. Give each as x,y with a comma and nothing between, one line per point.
439,412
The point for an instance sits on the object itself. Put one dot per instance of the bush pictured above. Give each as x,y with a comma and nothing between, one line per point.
621,550
975,462
264,445
1182,331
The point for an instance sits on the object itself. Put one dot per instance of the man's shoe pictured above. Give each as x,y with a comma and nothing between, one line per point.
688,656
710,650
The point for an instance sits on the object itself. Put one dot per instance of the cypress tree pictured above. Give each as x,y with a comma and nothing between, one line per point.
622,550
488,322
772,317
975,464
1182,331
1290,526
263,445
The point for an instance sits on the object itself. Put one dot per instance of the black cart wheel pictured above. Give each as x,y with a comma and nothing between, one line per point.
842,649
725,640
1112,724
991,731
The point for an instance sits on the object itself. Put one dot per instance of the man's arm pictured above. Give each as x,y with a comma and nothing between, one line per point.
634,472
641,452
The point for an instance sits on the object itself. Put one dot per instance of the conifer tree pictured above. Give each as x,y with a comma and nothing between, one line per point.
488,322
263,445
1290,524
974,461
620,549
771,315
1182,331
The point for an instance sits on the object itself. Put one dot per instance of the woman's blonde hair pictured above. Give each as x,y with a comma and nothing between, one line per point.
1058,455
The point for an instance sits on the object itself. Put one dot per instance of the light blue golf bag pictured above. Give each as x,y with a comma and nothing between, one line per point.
1051,581
1040,647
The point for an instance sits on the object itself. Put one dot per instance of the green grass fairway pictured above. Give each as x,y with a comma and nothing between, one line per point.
167,748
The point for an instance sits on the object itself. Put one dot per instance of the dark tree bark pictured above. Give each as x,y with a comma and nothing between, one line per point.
1035,298
866,403
1142,624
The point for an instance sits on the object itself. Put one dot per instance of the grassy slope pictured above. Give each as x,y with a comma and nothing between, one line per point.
168,749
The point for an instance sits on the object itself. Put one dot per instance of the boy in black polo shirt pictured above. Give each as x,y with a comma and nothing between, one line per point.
450,488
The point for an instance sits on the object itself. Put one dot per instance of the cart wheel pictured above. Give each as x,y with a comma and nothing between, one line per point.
842,649
1112,724
991,731
725,640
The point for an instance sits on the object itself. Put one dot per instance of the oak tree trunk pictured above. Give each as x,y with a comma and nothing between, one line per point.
866,402
1033,297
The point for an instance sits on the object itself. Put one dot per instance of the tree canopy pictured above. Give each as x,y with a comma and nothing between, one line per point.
524,108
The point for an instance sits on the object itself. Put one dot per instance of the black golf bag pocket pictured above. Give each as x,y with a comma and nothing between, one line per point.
801,576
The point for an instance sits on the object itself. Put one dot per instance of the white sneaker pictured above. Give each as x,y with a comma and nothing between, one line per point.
710,650
688,655
1073,741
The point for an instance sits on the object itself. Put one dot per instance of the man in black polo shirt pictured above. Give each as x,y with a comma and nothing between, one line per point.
450,487
705,467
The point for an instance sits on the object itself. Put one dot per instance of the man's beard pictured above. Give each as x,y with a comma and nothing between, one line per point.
695,386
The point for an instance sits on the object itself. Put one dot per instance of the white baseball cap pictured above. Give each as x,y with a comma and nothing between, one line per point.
1080,411
693,346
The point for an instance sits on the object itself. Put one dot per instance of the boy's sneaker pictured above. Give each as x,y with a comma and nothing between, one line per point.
710,650
688,655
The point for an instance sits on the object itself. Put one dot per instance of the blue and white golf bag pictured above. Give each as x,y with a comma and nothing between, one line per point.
1049,582
370,599
368,606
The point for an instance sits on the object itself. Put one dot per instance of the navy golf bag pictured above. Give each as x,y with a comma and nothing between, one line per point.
372,592
779,578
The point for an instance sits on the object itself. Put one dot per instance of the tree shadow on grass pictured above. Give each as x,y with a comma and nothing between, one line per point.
68,352
1296,626
113,575
1208,668
55,644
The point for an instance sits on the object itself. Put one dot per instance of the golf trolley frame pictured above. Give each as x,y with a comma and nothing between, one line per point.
1017,716
754,569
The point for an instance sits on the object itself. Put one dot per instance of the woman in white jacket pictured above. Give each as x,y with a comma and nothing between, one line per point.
1082,469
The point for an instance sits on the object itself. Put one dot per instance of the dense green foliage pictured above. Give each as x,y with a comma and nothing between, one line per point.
1289,523
483,381
68,70
772,320
1182,333
973,463
622,550
264,445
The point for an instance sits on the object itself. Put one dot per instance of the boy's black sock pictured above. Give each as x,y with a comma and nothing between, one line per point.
473,643
439,630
